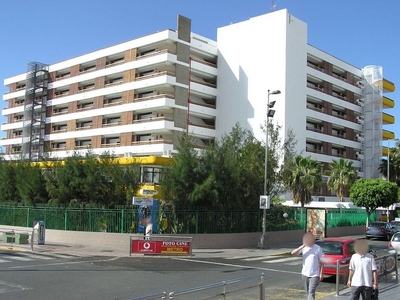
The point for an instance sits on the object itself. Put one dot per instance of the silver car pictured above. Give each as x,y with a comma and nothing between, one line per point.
395,243
395,225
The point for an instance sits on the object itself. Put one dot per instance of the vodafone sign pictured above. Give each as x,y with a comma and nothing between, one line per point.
161,247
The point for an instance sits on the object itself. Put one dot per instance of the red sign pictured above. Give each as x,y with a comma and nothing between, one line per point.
160,247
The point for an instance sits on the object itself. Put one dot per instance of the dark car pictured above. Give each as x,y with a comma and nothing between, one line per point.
380,230
396,225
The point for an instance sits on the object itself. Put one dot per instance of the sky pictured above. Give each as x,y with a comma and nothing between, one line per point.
359,32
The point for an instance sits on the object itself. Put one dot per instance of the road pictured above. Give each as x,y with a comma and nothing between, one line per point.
26,275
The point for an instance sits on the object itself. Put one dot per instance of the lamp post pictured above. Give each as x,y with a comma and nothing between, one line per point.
388,172
270,114
388,159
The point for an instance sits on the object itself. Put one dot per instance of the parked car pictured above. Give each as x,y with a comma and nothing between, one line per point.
396,225
381,230
335,249
395,243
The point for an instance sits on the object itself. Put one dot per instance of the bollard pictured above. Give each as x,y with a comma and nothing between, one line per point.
262,288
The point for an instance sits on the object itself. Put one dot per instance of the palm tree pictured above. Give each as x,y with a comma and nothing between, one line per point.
304,180
342,175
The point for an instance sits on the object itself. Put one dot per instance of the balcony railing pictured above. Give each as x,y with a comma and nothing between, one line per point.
308,149
202,61
311,128
155,74
151,119
154,53
203,104
154,97
157,141
201,125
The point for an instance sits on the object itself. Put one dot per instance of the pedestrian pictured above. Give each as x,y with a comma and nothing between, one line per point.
362,271
312,270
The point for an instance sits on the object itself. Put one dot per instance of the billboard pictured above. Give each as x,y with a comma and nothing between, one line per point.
316,222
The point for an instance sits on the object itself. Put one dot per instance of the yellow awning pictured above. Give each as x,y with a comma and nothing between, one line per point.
388,135
387,119
388,86
387,103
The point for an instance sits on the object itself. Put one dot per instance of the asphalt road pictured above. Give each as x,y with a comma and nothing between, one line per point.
24,275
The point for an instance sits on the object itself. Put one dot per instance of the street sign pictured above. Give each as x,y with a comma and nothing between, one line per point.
264,202
142,201
148,192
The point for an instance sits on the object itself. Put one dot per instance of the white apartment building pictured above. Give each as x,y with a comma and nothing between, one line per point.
130,99
138,97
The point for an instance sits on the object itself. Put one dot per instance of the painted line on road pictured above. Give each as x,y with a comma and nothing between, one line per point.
58,264
272,261
236,266
4,261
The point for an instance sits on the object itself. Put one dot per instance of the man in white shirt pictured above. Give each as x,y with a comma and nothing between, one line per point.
148,229
312,271
362,271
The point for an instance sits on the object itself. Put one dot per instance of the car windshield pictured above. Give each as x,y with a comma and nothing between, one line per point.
329,247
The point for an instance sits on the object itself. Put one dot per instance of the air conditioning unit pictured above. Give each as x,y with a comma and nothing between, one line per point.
359,156
359,137
360,83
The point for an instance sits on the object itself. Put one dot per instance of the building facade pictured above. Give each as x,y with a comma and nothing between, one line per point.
137,98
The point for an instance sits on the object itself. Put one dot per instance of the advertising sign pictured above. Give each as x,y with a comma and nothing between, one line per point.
316,222
265,202
160,247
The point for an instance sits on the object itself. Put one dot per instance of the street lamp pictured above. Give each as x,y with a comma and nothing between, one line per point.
388,159
270,114
388,172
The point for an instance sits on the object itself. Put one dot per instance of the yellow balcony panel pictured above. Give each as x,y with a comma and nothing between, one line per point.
384,151
144,160
387,103
388,135
388,87
387,119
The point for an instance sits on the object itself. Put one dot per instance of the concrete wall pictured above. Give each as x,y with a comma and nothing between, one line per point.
200,241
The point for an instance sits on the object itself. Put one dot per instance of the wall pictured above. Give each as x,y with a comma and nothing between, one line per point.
200,241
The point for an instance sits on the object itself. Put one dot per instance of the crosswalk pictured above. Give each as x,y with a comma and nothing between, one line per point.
292,260
26,257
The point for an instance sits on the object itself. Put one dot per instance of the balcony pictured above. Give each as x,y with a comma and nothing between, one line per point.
315,86
154,53
314,150
152,97
154,74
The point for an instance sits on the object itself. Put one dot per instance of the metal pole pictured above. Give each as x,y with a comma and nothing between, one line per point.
388,165
262,288
337,278
265,177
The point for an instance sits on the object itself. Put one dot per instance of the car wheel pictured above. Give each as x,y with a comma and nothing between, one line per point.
367,237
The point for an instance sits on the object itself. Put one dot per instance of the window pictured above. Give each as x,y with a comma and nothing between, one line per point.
110,140
151,174
86,105
60,110
17,133
112,101
112,121
60,127
84,124
60,93
83,143
58,145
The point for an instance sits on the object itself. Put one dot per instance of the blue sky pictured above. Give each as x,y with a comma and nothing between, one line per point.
360,32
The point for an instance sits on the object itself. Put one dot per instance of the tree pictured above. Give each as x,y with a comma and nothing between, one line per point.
30,183
8,187
342,175
373,193
305,179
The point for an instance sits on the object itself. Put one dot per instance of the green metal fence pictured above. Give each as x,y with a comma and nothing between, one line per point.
169,222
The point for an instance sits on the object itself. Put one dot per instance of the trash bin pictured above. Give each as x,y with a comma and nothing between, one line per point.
40,232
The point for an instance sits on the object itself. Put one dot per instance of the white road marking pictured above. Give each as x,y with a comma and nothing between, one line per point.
235,266
4,260
255,258
20,258
273,261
